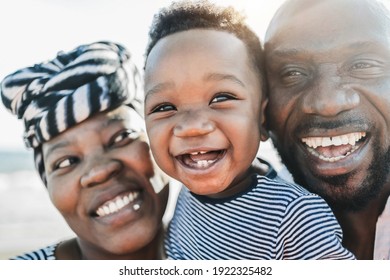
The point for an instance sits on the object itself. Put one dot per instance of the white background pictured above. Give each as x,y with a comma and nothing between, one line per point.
33,31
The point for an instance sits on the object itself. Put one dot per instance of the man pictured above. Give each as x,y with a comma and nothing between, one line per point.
328,66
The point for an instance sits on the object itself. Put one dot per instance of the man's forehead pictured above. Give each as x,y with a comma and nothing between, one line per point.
331,24
314,15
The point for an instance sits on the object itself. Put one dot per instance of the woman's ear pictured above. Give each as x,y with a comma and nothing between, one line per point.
263,125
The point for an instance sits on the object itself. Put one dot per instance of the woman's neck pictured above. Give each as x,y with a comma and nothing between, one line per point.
77,249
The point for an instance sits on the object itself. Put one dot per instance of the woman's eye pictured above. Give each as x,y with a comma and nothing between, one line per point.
222,97
163,108
125,136
65,162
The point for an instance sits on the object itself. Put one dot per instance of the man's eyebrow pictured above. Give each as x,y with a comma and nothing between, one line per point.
222,76
286,52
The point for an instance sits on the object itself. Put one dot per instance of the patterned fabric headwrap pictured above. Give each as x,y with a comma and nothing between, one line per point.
53,96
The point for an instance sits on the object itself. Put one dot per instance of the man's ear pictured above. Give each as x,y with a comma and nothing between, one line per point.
263,125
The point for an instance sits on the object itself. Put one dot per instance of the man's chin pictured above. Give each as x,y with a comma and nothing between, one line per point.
347,192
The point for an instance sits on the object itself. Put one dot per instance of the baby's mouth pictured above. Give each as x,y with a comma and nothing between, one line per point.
119,202
335,148
201,160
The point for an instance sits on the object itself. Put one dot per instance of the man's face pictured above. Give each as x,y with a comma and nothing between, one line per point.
329,106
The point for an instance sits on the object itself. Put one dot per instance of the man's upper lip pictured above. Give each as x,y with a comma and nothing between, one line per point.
320,132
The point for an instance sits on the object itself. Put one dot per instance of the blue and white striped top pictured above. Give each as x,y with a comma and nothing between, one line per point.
273,219
46,253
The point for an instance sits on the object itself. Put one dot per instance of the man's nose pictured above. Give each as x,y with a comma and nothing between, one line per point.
100,171
329,96
193,123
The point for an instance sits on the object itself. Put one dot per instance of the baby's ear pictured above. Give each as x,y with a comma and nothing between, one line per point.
263,124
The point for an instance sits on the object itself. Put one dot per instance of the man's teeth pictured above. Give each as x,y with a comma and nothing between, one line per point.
118,203
350,138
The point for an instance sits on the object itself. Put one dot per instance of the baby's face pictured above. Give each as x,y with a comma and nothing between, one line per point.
203,108
100,175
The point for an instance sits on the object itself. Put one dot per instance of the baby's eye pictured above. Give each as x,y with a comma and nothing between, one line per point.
124,137
65,162
163,108
221,97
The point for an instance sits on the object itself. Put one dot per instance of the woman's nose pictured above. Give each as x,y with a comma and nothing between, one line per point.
192,124
100,172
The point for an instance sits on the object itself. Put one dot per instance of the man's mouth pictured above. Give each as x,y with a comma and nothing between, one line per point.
335,148
201,160
119,202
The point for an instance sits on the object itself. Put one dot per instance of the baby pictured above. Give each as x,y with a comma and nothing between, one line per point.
204,110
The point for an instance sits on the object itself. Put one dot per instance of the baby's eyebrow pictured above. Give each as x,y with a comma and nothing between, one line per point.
157,88
222,76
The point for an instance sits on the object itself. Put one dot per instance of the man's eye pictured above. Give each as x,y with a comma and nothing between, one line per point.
292,76
65,162
125,136
361,65
367,69
163,108
222,97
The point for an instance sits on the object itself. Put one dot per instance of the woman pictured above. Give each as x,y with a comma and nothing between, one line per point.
83,118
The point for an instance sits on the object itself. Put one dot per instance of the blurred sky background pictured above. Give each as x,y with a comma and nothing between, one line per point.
35,30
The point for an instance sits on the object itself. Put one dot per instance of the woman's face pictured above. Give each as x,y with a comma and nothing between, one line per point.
101,177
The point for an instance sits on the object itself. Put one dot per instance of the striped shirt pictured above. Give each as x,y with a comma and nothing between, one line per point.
273,219
47,253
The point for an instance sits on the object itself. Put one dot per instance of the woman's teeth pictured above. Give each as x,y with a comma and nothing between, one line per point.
118,203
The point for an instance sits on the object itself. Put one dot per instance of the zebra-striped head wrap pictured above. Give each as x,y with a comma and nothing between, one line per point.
53,96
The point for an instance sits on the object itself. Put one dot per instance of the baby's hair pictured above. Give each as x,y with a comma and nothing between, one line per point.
187,15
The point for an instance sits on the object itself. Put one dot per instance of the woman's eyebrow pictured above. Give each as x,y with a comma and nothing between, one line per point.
56,146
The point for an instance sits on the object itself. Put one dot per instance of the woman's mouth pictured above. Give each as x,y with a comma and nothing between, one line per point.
118,203
335,148
201,160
